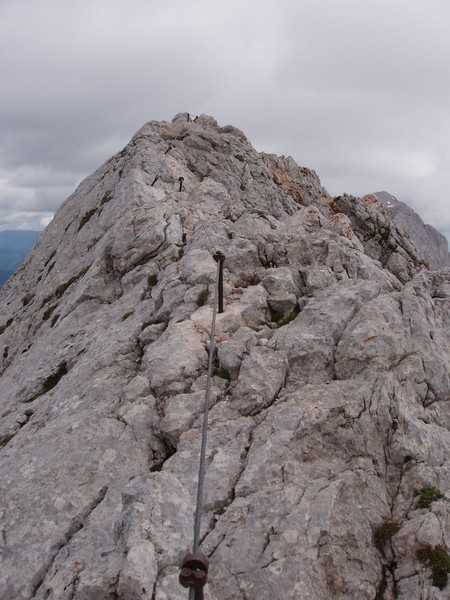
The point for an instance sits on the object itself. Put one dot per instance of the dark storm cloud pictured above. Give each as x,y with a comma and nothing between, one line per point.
356,90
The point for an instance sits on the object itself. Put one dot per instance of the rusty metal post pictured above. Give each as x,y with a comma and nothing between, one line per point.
219,257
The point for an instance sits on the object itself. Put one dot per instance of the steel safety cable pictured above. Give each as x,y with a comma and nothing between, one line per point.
196,592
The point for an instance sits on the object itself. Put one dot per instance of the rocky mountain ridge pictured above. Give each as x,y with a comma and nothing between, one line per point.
329,420
432,243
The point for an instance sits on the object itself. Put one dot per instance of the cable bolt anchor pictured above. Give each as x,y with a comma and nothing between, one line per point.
194,573
219,257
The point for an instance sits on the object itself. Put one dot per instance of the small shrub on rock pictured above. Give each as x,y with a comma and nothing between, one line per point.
438,560
202,298
384,533
427,496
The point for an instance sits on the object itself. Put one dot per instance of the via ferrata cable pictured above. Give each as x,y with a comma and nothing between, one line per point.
195,566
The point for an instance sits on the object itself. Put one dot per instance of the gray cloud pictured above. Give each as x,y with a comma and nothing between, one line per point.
358,91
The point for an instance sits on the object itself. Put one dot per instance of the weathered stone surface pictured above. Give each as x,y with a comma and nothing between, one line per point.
329,406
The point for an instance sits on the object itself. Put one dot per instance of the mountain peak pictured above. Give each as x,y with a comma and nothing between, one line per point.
328,396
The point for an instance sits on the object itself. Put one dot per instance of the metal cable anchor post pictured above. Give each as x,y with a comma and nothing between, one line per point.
219,258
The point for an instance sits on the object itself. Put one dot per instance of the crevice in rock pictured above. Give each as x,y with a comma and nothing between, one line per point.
388,578
161,454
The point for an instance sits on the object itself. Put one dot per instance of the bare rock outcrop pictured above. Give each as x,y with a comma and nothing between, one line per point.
328,469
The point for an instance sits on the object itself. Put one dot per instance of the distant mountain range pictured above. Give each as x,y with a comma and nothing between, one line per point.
14,246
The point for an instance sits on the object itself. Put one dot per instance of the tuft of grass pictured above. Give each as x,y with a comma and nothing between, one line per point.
262,214
384,233
152,280
439,560
180,252
6,325
106,197
281,319
63,287
87,217
27,299
223,373
52,255
202,298
384,533
427,496
4,439
55,318
48,312
156,468
50,267
53,379
46,300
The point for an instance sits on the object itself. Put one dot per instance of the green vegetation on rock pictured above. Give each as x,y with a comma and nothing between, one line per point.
439,560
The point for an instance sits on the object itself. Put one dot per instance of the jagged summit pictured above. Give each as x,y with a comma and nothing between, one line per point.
329,404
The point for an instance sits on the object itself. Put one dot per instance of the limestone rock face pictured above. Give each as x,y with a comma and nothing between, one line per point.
434,244
328,469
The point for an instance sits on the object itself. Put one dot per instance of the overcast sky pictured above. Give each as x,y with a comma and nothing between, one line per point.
358,90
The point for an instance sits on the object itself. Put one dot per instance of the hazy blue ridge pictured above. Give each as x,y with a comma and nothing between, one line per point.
14,247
